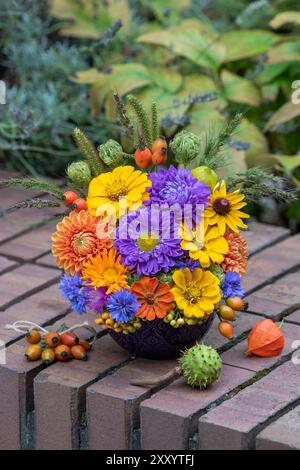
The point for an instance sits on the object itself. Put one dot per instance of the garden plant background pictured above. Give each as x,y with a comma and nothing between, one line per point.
202,61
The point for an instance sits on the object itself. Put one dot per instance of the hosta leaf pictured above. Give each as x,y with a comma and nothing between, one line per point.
166,78
289,163
89,18
284,114
192,39
286,52
287,17
239,90
270,72
204,119
249,133
247,43
166,14
198,83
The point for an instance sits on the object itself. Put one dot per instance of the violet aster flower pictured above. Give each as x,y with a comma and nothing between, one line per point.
151,243
231,286
178,186
95,298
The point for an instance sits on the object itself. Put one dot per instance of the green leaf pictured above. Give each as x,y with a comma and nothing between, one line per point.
286,113
123,78
287,17
249,133
166,78
247,43
289,163
270,72
239,90
193,40
286,52
89,18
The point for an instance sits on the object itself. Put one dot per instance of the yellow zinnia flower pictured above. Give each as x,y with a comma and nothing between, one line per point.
224,209
105,270
122,182
208,247
196,293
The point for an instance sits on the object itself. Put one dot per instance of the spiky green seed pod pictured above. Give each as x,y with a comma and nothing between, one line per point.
218,272
79,173
186,146
201,366
88,151
111,153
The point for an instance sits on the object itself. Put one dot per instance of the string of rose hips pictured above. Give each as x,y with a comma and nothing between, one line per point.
54,345
73,201
144,157
227,313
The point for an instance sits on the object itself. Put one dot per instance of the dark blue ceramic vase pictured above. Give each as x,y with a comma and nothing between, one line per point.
158,340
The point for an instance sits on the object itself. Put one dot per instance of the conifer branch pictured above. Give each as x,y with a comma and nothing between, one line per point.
33,184
29,203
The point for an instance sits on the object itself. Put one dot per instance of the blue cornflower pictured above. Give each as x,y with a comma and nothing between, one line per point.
231,286
73,290
122,305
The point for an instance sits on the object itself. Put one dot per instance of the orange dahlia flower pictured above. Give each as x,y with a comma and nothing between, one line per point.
237,256
76,240
155,299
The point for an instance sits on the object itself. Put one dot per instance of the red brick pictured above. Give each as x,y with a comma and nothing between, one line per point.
272,262
274,299
6,264
60,395
23,281
47,260
236,355
259,236
245,321
169,418
40,308
283,434
113,404
16,393
233,424
30,245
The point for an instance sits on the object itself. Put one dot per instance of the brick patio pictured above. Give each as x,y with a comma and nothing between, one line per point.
91,405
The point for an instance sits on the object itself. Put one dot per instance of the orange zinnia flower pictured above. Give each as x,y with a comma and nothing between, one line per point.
155,299
237,257
76,240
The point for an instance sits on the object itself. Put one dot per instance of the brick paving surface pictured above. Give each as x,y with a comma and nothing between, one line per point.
93,405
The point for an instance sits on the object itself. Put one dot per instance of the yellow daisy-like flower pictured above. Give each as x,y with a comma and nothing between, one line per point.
224,209
105,270
206,247
123,182
196,293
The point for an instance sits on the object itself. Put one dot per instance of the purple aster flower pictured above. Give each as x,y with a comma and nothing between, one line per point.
95,298
74,291
178,186
122,305
231,286
148,241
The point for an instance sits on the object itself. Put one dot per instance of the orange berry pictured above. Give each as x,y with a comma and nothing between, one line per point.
227,312
70,197
159,157
85,344
226,329
52,339
79,205
48,356
62,353
142,157
69,339
33,337
33,352
236,303
159,145
79,352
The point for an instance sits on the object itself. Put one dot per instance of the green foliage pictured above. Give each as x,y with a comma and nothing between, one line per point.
33,184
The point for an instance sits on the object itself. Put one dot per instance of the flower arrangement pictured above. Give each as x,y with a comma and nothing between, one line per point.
152,238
